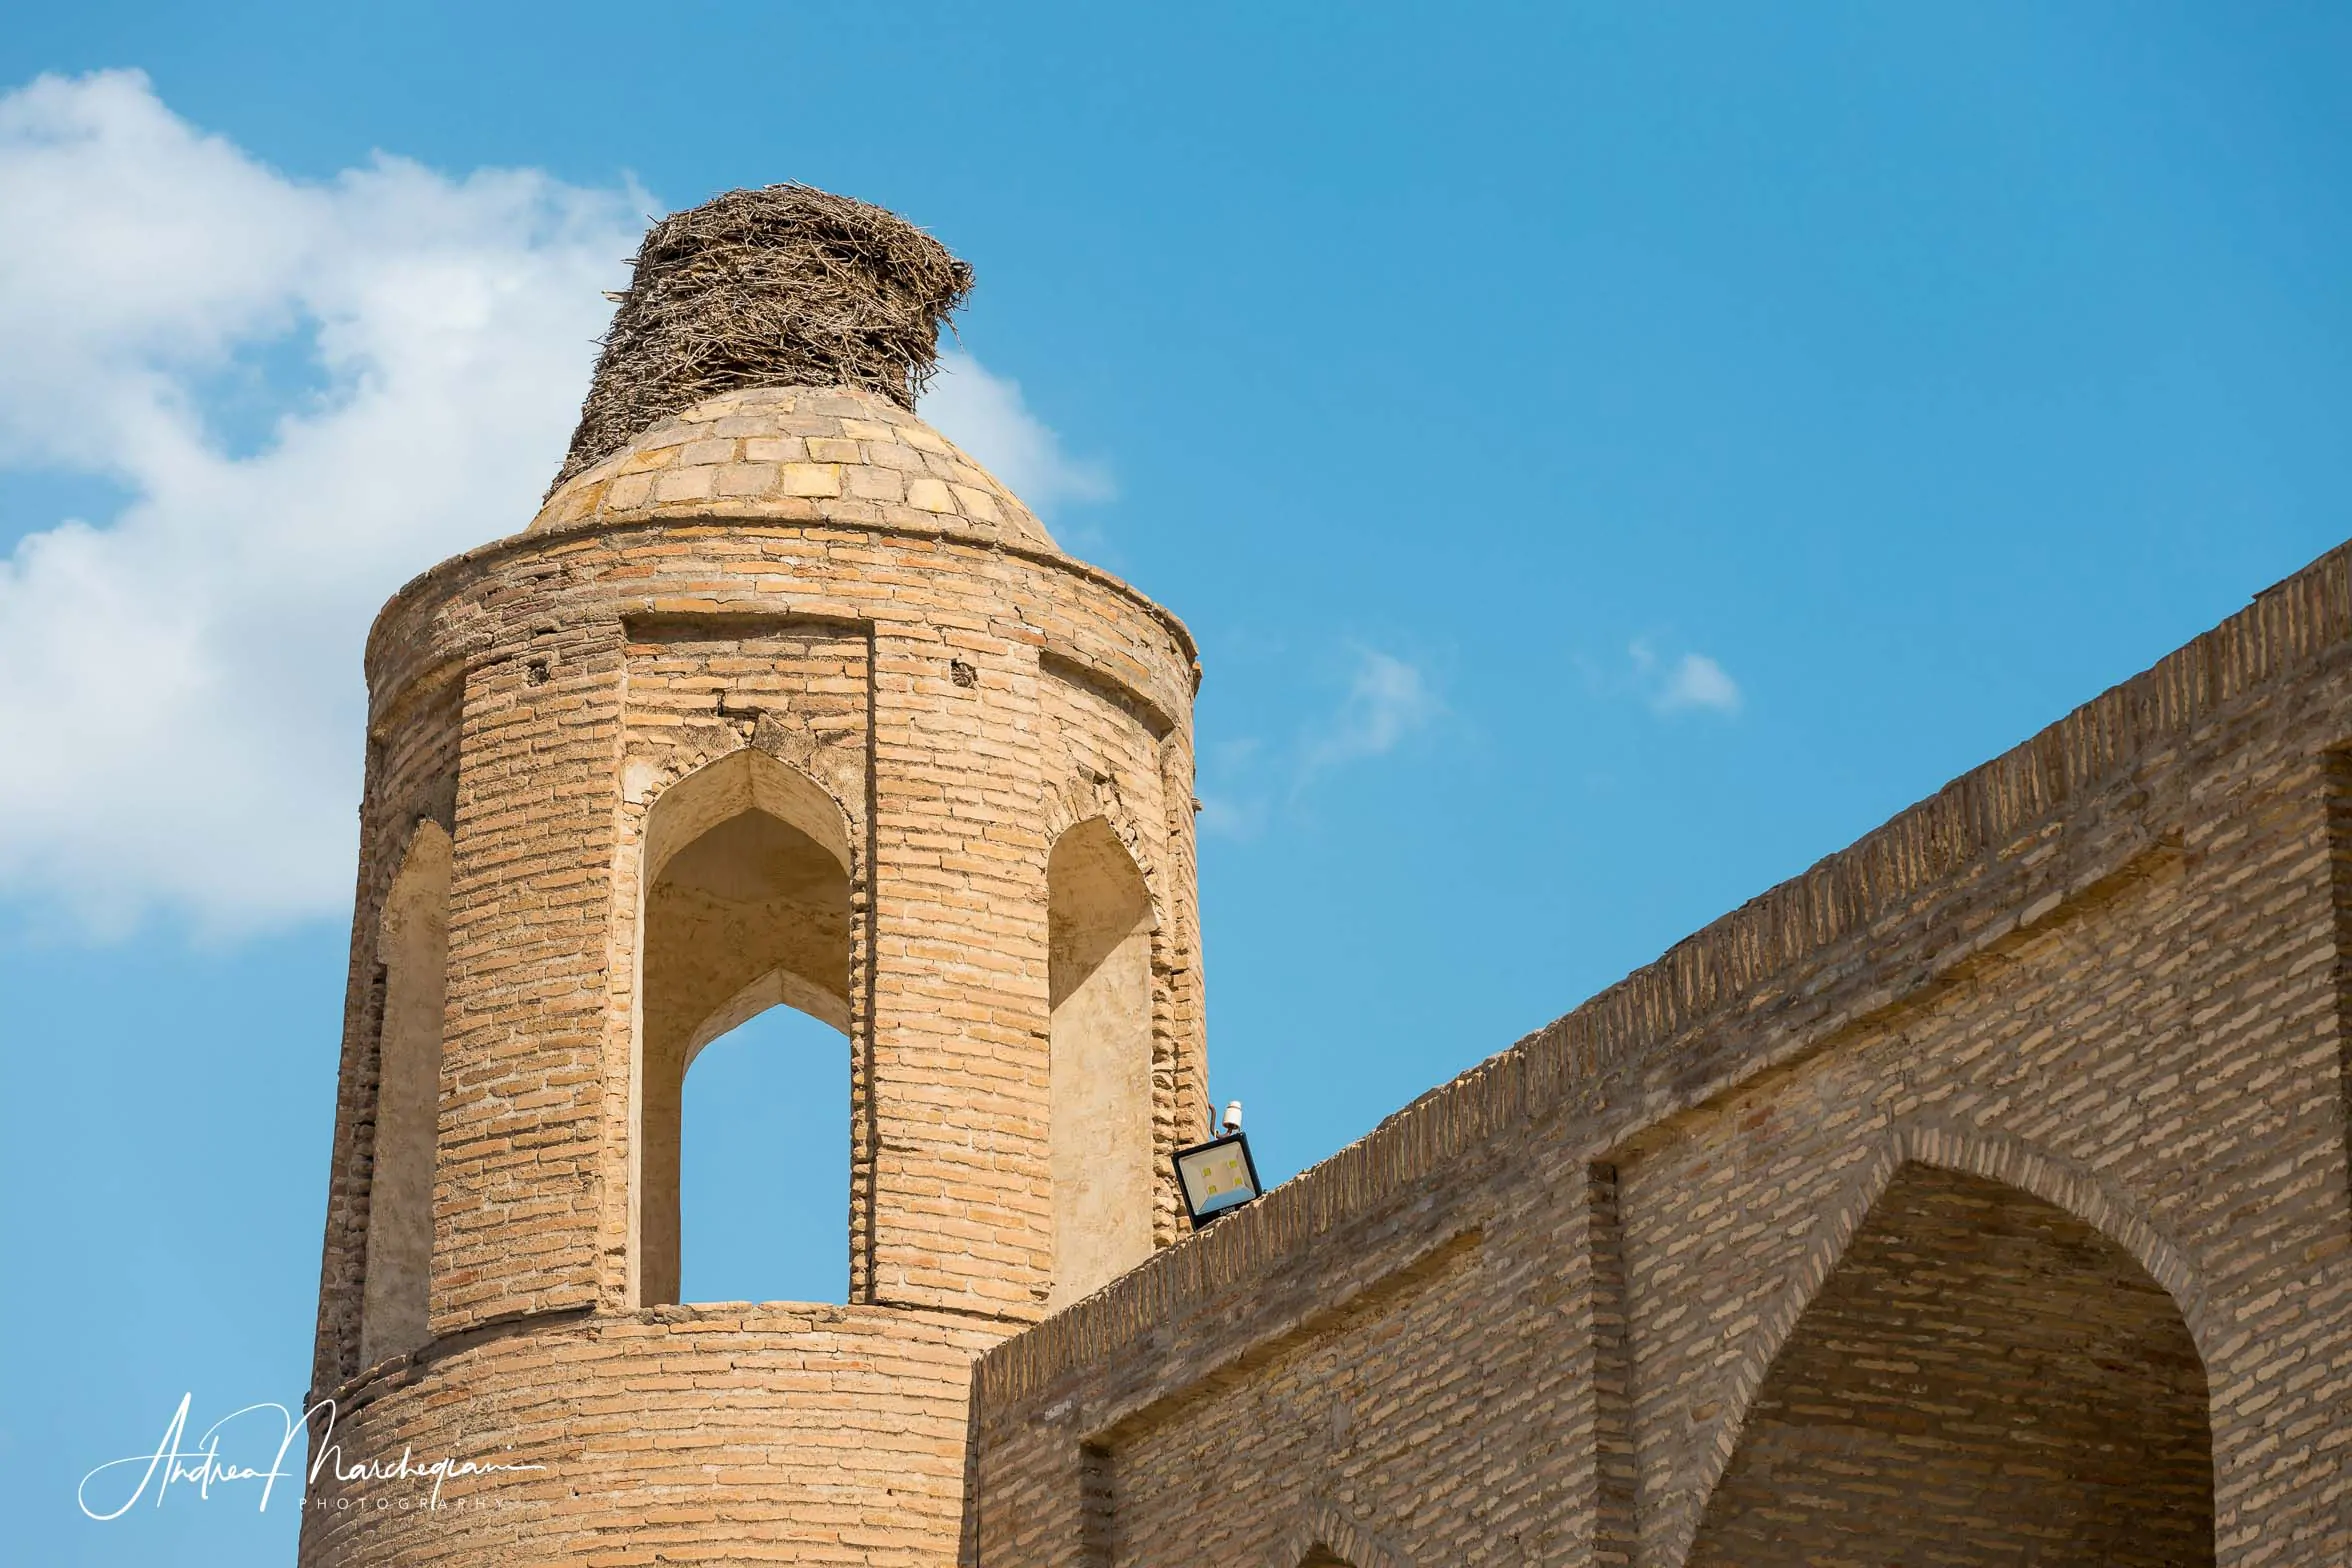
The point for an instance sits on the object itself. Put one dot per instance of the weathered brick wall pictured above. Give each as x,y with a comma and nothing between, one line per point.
693,1434
815,576
1540,1314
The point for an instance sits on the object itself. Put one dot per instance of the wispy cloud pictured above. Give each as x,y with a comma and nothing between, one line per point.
1387,701
985,415
1690,681
180,696
1699,682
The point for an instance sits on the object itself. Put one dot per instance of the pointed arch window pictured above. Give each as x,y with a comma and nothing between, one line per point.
746,908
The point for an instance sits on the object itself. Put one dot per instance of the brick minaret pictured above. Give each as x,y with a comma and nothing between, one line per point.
783,700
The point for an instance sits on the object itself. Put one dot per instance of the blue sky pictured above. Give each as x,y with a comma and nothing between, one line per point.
1611,457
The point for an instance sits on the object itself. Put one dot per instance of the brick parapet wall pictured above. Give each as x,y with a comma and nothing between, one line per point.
2166,847
1889,920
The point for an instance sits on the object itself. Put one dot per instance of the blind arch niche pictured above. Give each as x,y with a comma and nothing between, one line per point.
412,945
1099,925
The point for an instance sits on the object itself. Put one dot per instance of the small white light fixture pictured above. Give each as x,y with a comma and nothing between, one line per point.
1218,1176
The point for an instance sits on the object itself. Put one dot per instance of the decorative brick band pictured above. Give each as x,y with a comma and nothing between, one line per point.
437,581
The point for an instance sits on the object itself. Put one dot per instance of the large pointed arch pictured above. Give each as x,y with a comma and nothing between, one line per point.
1984,1271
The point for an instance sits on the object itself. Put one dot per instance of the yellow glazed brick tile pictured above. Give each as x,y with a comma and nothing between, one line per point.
811,479
930,495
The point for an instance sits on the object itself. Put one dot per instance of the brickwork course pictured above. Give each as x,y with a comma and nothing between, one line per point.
1978,1197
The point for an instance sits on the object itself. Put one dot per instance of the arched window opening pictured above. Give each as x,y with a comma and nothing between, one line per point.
1321,1556
747,907
412,945
763,1165
1982,1379
1099,924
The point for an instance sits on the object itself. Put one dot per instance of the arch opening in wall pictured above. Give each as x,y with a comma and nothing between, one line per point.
1099,924
763,1163
412,946
746,909
1983,1378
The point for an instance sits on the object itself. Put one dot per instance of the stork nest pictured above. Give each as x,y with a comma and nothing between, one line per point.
785,286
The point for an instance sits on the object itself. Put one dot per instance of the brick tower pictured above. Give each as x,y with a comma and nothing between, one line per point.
780,699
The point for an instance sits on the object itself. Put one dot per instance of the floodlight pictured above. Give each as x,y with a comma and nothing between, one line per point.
1216,1177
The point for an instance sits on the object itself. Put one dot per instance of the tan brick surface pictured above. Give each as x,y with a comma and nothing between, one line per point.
680,1434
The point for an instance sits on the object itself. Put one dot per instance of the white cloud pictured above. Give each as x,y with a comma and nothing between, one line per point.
180,695
1692,681
984,414
1387,700
1699,682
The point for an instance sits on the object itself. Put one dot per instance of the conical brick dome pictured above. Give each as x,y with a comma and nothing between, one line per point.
836,454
